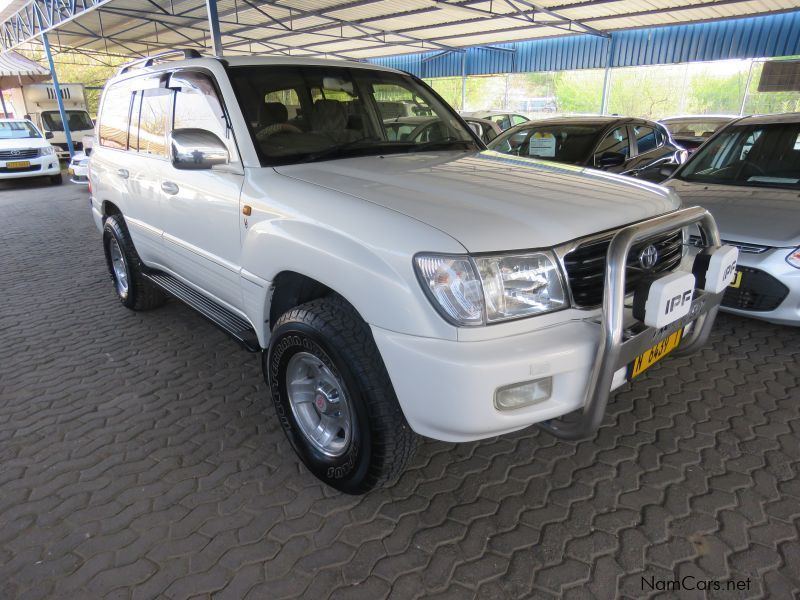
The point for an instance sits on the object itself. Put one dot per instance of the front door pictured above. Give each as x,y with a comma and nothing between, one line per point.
201,211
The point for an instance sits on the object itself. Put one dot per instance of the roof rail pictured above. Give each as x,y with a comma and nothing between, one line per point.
148,61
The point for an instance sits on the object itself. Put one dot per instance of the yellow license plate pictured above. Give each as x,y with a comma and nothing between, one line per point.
737,280
647,359
18,164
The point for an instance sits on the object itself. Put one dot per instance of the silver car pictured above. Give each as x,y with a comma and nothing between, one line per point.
748,176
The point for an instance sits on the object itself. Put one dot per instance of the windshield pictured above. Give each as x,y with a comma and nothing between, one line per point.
78,120
562,143
16,130
694,127
308,113
752,155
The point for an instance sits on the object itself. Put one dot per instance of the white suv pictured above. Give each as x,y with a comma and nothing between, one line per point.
397,287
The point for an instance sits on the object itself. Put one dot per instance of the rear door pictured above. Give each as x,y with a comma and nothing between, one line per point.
201,212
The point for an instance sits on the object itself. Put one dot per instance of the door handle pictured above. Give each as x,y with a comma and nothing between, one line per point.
123,173
169,187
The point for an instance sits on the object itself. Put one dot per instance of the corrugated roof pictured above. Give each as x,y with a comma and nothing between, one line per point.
17,70
349,28
754,37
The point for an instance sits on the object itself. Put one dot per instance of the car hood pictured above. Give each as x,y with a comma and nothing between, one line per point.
490,201
763,216
19,143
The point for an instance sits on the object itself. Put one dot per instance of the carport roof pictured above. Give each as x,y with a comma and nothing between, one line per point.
356,29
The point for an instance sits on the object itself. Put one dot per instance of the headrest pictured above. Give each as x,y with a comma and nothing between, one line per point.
271,113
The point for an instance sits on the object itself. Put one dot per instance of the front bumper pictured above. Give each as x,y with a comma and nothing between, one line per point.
447,388
39,166
79,173
759,292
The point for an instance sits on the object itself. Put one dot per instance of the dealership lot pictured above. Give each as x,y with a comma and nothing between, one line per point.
139,450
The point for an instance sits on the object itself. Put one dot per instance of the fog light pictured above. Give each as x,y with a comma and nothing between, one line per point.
514,396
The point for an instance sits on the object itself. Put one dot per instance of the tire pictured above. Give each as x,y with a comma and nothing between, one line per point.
380,442
56,179
138,293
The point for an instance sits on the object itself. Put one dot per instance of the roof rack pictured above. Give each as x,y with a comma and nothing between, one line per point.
148,61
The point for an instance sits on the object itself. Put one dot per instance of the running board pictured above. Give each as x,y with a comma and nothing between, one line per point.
232,324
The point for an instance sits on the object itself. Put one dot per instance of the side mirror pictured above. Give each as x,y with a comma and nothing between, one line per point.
610,159
666,170
197,149
476,128
48,135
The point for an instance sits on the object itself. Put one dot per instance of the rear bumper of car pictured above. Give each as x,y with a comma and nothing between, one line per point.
449,390
38,166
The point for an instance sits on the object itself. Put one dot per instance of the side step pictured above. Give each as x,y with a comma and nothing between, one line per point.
229,322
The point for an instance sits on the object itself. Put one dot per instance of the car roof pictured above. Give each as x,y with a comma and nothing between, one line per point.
793,117
242,61
582,120
699,118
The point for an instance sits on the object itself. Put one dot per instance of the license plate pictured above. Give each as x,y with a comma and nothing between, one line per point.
737,280
647,359
70,171
18,164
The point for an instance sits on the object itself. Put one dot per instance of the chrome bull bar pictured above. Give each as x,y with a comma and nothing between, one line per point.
618,345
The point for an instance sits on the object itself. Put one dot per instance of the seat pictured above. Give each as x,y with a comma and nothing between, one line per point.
272,113
329,117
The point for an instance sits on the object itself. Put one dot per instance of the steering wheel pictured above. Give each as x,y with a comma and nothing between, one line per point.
752,165
276,128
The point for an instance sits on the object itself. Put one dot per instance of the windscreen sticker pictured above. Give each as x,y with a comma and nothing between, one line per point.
542,145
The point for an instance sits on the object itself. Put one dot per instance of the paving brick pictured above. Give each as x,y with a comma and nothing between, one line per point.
141,459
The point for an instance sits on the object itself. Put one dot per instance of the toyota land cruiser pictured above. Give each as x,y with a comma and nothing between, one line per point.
395,286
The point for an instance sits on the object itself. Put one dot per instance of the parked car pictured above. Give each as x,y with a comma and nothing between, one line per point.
504,120
425,129
748,175
691,131
25,152
396,287
79,165
633,147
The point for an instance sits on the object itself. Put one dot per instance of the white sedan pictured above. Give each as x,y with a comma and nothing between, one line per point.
25,152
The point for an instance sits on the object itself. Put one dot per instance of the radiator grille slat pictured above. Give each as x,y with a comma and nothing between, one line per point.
586,265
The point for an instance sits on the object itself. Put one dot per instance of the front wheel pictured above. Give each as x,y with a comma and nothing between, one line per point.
334,398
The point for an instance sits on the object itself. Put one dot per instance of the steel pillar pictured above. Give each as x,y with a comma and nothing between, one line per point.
213,27
59,98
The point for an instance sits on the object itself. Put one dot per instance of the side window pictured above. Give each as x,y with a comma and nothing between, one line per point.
154,117
517,119
646,139
197,105
114,117
616,141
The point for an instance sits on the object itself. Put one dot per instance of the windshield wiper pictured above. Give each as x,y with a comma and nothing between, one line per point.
340,150
444,143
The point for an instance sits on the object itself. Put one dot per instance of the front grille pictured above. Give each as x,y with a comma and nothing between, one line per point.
695,240
22,170
586,266
19,154
757,291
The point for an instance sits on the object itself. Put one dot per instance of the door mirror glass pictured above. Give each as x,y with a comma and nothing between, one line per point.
476,128
611,159
197,149
48,135
667,169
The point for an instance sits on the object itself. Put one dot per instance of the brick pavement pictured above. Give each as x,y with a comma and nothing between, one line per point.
139,457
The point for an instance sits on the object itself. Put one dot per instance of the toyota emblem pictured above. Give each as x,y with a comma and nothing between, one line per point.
648,257
15,153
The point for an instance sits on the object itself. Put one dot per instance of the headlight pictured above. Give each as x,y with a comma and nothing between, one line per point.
47,151
453,286
520,285
487,289
794,258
